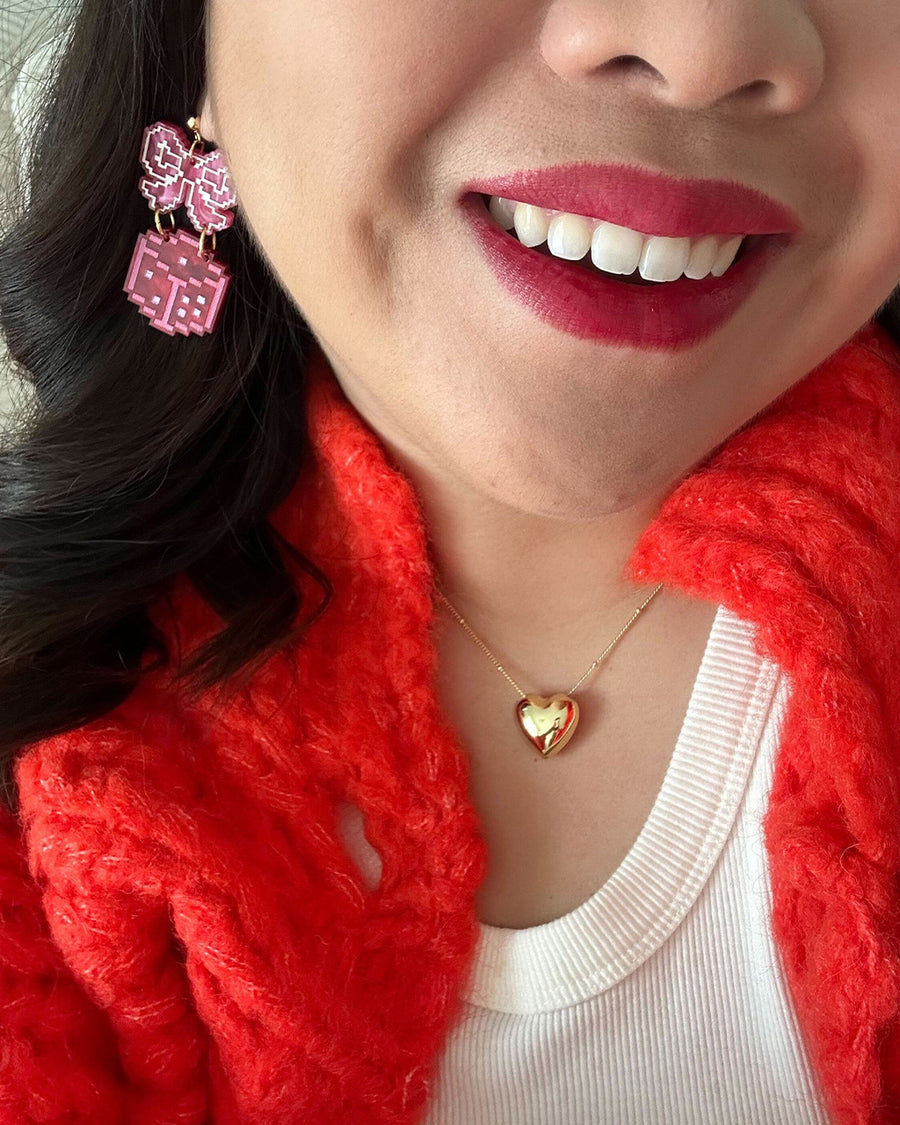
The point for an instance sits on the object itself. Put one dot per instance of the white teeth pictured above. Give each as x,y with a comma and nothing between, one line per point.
727,254
569,236
616,249
531,223
703,257
664,259
503,211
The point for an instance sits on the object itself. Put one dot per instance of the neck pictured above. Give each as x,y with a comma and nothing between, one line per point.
544,590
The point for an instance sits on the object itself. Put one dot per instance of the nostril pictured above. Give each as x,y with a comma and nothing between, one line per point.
626,62
632,64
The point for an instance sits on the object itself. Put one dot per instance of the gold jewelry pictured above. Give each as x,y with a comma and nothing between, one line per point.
548,722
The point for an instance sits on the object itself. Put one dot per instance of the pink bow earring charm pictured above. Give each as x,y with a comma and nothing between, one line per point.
174,278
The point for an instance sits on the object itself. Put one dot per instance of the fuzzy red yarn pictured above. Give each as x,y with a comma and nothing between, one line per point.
183,936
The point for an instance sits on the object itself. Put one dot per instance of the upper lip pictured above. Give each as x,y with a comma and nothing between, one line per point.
645,201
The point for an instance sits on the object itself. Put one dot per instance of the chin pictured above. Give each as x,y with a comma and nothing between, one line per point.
576,496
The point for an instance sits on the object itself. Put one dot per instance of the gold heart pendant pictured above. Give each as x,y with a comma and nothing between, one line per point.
548,721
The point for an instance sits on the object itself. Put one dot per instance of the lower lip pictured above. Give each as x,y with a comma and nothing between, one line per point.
671,315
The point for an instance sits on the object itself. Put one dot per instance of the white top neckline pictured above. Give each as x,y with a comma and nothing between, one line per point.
591,948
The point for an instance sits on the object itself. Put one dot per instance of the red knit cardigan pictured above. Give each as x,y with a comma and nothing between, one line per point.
184,939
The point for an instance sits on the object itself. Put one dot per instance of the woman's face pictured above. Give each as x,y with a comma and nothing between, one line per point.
353,129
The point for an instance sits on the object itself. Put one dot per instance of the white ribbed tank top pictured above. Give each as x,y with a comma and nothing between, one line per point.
660,1000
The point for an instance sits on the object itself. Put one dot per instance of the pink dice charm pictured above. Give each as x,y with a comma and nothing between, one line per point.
173,286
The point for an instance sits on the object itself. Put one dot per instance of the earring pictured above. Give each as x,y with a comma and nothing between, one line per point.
174,278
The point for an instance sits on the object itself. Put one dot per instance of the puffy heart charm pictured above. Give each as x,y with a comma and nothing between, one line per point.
548,721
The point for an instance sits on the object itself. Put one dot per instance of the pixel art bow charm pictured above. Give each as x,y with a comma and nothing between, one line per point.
174,278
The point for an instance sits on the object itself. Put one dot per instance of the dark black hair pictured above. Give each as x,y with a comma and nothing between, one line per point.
138,456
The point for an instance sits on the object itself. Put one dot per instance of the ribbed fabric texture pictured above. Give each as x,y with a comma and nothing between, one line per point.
660,1000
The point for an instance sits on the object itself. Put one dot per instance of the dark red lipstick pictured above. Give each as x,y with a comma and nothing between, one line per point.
593,305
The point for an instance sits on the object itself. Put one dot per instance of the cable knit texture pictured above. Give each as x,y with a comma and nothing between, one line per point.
184,939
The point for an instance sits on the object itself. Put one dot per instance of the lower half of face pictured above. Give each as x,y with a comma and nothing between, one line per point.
511,361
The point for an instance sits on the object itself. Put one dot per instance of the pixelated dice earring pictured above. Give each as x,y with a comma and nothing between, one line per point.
174,277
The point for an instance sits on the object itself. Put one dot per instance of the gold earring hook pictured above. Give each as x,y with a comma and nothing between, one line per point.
193,123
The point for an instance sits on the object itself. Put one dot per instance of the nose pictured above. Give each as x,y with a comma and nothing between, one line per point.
764,57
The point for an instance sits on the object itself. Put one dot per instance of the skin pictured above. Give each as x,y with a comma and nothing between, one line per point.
350,126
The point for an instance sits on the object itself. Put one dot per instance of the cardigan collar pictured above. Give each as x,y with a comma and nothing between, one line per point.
302,994
794,525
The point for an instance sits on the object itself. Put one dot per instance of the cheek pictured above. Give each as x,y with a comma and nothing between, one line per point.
330,121
871,252
866,100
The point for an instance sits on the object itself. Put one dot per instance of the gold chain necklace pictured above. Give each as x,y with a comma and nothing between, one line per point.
548,722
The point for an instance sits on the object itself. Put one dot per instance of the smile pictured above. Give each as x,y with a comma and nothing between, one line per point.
581,300
612,249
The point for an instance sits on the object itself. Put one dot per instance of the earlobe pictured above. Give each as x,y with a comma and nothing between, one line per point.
207,120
